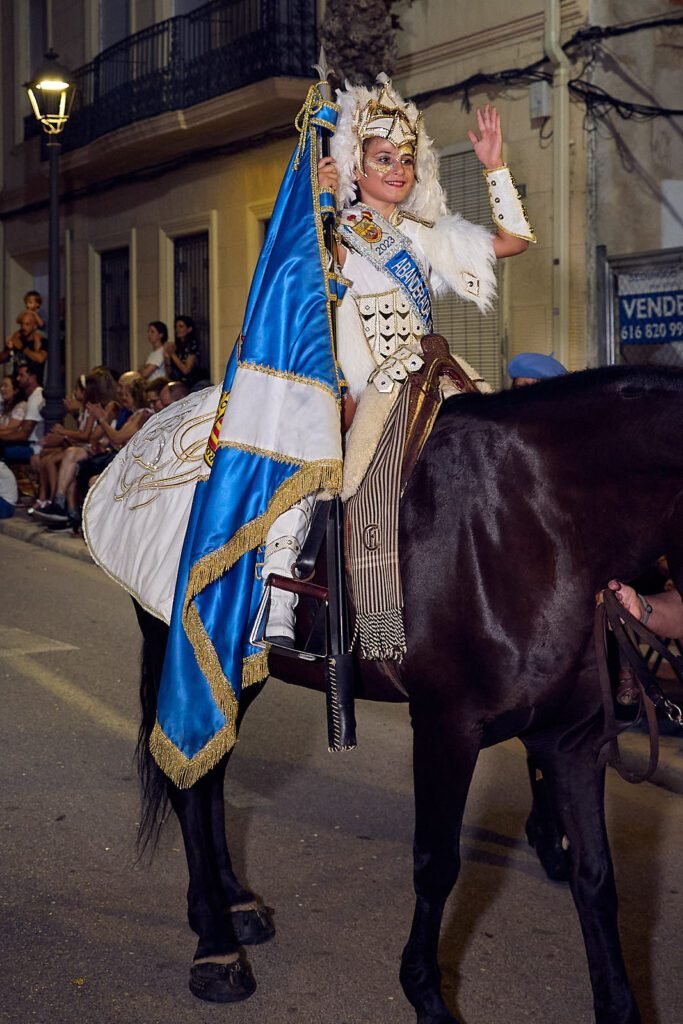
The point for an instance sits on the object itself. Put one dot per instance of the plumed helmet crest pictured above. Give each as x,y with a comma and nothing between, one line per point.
381,112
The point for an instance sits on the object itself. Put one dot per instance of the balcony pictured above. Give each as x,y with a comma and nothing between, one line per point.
229,70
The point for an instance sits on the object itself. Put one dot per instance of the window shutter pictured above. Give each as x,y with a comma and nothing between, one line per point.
469,334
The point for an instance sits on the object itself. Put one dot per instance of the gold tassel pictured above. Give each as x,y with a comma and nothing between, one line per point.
254,668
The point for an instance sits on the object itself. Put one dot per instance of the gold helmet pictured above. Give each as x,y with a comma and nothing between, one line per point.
382,113
385,118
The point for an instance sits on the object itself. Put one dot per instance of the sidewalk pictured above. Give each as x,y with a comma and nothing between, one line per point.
634,745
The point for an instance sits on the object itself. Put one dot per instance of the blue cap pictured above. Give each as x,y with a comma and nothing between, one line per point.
535,365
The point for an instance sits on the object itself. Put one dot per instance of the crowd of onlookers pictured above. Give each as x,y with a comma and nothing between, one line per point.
101,414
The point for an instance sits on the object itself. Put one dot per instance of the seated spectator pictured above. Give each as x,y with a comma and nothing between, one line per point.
79,465
96,387
153,389
19,441
9,492
157,335
25,346
173,392
13,407
530,367
122,383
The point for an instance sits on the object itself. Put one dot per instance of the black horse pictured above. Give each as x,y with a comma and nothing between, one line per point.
522,506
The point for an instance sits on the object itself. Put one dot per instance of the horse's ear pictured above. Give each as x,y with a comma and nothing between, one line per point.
631,391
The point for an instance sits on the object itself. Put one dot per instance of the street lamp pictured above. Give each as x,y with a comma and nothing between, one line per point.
51,93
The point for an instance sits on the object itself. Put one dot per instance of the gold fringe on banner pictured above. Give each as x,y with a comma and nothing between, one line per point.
183,771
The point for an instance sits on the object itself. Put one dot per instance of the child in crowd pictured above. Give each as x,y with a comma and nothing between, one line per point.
33,303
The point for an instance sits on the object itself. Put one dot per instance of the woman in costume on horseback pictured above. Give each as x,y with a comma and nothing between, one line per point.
396,246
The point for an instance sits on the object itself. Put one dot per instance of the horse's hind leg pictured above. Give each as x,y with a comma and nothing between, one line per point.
543,827
578,787
444,756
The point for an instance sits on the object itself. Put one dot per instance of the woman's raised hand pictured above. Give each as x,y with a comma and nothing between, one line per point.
488,145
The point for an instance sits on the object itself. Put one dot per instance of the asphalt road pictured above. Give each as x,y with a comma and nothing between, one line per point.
88,935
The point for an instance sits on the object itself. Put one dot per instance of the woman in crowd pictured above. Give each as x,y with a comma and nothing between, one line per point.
182,355
157,335
13,402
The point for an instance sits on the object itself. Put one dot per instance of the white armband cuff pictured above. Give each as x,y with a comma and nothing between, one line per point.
507,208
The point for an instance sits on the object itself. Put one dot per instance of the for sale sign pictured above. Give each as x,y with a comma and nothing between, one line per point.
651,306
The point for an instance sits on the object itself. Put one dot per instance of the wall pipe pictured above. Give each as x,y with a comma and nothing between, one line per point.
560,244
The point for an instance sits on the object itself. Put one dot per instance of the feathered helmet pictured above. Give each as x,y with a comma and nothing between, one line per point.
381,113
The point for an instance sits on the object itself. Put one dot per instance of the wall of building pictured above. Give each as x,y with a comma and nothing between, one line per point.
447,42
625,182
639,163
228,197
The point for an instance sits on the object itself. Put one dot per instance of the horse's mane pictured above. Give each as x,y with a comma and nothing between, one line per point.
600,383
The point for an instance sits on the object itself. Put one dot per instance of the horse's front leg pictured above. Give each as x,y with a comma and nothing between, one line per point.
444,757
251,920
218,973
222,913
578,786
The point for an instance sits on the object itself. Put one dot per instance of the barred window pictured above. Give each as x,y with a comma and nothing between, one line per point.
115,308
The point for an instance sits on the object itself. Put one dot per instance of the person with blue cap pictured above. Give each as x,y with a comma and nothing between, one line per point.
530,367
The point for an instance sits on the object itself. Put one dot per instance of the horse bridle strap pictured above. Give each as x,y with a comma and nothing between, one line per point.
629,632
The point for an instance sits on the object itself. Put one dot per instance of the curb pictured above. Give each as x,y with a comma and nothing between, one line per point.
634,746
20,527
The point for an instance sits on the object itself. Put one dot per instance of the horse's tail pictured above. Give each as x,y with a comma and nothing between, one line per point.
154,797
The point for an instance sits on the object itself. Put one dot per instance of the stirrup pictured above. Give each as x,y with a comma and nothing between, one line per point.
311,639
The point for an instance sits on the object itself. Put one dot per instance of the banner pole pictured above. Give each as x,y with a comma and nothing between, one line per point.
341,720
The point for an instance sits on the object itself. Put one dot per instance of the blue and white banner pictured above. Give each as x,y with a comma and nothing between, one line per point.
276,437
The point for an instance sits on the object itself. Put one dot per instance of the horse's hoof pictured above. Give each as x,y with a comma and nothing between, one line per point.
252,927
222,983
550,852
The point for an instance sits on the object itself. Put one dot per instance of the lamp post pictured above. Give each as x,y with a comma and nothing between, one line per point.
51,93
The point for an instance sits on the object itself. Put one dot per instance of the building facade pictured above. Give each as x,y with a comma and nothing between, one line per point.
183,126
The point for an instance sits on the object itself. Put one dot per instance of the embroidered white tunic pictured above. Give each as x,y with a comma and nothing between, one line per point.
376,320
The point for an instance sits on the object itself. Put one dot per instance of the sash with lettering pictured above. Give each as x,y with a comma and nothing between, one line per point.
276,438
369,234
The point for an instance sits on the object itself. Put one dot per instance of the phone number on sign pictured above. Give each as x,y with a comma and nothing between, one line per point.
670,331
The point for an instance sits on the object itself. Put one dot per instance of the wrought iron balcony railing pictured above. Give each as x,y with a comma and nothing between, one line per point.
217,48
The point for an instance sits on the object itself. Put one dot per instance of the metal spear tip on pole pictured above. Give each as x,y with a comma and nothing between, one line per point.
324,72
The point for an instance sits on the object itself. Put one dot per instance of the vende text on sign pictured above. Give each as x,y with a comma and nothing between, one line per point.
652,318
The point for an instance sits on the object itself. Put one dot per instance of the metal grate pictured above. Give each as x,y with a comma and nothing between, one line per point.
469,334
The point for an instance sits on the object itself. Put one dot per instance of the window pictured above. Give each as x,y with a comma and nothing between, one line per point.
37,34
469,334
114,22
115,308
191,287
